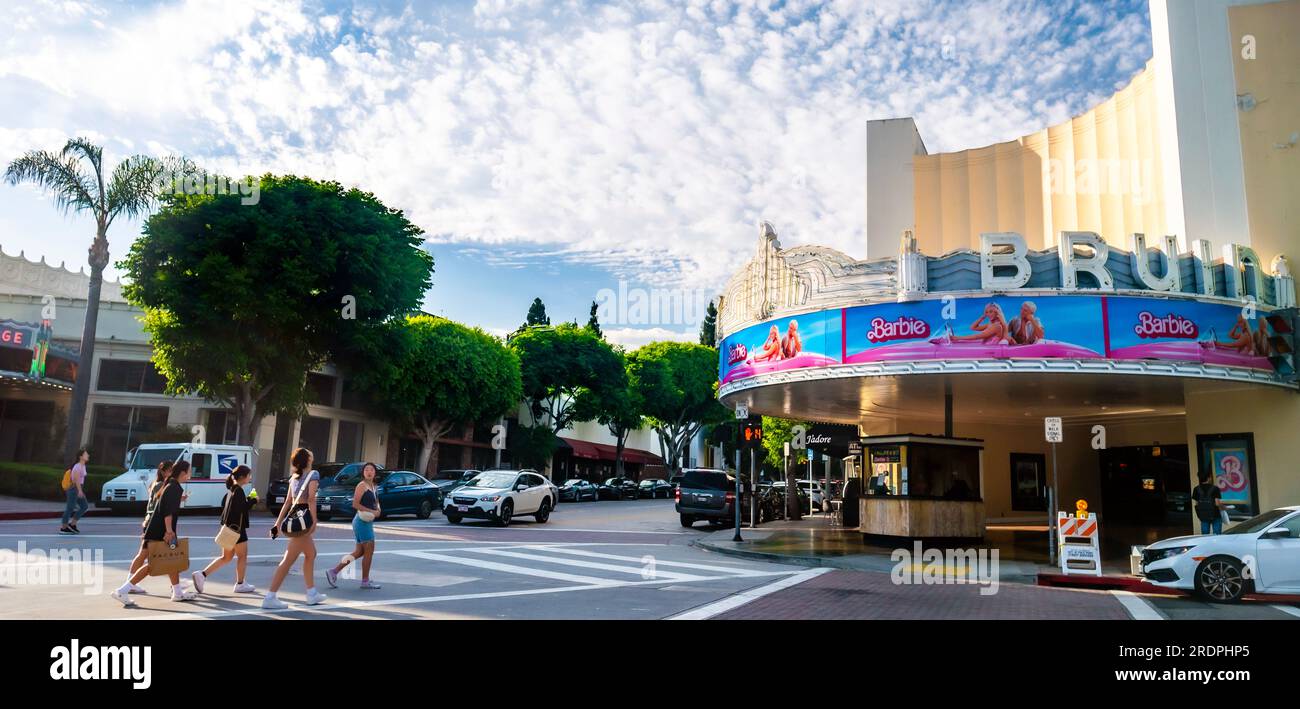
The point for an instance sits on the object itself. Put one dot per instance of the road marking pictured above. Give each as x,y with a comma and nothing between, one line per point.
542,528
737,600
638,570
509,568
658,562
1289,610
1137,606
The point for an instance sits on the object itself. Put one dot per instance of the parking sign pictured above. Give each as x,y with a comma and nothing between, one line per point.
1052,424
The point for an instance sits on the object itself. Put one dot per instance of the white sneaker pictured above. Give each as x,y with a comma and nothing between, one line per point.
123,598
245,588
138,589
183,594
270,603
315,598
199,578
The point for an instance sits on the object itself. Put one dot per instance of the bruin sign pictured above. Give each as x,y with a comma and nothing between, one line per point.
1004,265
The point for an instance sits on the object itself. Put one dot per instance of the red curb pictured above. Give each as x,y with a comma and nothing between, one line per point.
1137,585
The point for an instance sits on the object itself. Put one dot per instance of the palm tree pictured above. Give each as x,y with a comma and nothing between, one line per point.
75,178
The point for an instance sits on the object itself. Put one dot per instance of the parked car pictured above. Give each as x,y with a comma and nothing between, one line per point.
499,495
577,490
710,495
448,480
1215,566
618,489
279,489
401,492
654,488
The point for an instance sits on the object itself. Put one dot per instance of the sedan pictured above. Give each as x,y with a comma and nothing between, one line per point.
618,489
400,493
1259,555
577,490
449,480
655,488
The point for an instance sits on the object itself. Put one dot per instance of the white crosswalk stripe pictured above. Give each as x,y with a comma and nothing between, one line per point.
640,570
509,568
658,562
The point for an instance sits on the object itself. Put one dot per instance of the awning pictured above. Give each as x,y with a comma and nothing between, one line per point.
605,451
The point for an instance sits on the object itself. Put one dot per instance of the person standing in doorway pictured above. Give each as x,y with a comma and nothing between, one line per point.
76,494
1209,505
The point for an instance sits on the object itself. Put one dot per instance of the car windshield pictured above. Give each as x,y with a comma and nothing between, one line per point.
149,458
497,478
1258,523
353,476
707,480
573,481
450,474
330,470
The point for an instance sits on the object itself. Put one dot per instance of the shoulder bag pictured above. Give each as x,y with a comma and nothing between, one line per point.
299,520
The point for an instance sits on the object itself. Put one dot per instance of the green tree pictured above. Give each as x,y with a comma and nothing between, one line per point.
566,371
776,433
242,300
75,178
620,412
537,314
677,384
593,323
709,327
533,446
431,374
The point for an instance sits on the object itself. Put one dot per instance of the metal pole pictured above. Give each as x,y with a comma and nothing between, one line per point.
736,537
1051,518
753,493
810,482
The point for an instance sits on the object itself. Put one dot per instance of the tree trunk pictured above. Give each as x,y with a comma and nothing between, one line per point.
81,387
427,446
793,510
245,410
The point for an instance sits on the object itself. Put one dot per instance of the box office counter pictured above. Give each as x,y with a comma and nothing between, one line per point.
922,487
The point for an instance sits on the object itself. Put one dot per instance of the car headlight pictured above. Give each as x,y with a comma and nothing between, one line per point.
1159,554
489,498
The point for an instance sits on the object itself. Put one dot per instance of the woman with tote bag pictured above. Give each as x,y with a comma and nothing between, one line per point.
160,527
365,500
233,534
297,521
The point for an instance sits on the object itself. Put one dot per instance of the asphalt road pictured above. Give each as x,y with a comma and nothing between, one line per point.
592,560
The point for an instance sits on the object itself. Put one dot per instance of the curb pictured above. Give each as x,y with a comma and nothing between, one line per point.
52,514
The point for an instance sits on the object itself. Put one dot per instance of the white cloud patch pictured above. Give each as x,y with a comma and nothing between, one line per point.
647,137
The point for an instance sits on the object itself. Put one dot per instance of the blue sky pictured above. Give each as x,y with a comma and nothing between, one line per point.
550,149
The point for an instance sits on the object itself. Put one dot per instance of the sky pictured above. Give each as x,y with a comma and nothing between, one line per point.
563,150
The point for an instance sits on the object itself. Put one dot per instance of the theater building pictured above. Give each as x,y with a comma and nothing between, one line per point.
1125,271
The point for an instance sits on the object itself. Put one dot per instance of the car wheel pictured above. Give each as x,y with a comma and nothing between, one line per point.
426,509
1220,579
507,512
453,519
543,512
687,520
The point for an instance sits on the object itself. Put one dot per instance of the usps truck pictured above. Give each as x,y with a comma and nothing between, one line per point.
209,466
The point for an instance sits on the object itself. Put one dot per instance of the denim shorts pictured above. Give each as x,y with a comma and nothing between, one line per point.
364,531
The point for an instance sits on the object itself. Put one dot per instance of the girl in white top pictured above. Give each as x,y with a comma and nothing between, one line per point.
304,545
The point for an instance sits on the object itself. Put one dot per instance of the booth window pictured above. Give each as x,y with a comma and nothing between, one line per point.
943,471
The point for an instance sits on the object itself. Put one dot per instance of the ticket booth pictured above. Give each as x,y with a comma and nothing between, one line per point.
922,487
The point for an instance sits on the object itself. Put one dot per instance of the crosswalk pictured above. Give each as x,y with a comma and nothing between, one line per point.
583,566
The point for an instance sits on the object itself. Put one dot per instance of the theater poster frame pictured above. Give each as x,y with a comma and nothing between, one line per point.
1231,457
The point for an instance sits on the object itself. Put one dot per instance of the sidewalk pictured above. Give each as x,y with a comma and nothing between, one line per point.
12,508
813,542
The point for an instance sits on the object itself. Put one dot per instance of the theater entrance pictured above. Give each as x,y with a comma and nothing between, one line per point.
1145,494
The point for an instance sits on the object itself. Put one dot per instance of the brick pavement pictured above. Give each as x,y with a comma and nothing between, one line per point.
857,595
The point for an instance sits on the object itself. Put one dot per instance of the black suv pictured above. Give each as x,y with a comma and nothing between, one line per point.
710,495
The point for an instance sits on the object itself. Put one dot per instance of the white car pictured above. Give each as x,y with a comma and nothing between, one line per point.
1261,554
500,496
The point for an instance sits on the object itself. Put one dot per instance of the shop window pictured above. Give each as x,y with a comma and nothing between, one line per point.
353,398
1029,482
348,445
314,435
320,389
117,429
222,427
134,376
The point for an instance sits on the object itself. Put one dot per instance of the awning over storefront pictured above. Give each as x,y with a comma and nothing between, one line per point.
604,451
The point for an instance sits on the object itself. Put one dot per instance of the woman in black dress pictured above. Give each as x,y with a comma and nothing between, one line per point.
160,526
234,514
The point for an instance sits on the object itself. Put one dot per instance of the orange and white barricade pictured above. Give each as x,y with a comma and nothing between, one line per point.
1080,545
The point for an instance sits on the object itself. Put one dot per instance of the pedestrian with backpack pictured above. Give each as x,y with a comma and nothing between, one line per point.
74,488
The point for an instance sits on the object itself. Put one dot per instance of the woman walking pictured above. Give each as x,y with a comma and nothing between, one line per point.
159,526
76,494
365,500
234,514
301,504
160,477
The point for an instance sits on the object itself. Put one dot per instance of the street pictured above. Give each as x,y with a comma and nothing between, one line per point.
593,560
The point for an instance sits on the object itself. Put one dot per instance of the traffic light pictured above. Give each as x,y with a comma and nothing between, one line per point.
751,432
1282,342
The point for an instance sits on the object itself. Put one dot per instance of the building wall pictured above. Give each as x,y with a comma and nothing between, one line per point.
1272,414
892,146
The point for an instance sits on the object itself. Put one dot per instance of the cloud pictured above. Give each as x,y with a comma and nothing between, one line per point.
648,137
632,338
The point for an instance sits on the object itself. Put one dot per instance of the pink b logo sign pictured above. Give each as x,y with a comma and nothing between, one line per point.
1232,476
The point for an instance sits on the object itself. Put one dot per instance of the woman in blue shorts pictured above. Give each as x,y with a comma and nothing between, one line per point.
365,500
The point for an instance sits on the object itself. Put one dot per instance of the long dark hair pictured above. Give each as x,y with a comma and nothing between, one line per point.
300,459
164,469
240,472
168,473
77,458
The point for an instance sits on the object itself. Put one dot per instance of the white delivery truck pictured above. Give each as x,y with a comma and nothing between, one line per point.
207,485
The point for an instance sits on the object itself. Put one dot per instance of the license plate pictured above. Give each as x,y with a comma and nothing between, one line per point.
275,500
324,508
462,508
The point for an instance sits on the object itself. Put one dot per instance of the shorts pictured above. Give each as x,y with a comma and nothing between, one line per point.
364,531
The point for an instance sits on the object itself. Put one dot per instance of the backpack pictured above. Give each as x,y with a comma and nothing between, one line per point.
67,480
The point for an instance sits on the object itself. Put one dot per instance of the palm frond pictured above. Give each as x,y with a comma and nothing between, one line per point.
71,187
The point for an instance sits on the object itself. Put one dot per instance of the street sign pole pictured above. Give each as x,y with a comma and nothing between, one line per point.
1053,432
753,492
736,537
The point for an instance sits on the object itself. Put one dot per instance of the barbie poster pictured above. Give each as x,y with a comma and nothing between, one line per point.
995,327
811,340
1187,331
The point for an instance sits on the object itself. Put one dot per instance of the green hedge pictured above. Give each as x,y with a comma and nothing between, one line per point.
44,482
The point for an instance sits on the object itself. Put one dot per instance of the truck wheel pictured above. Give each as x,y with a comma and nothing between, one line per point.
687,520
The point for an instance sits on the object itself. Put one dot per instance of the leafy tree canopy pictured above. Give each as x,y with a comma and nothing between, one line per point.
566,370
